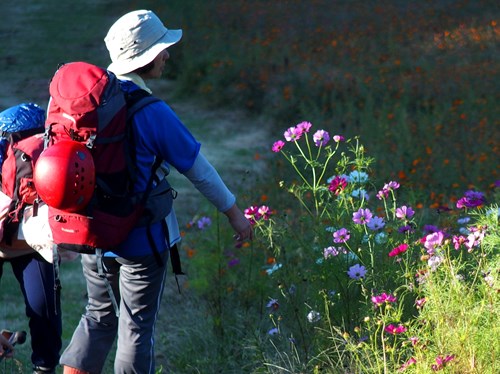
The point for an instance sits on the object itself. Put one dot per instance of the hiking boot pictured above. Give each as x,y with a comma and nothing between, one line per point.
43,370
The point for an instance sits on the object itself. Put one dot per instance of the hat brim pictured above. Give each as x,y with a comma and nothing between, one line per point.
170,38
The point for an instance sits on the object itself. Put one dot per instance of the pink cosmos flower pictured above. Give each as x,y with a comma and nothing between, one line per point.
404,212
252,214
433,241
278,146
475,238
388,187
383,298
264,212
341,236
411,361
414,340
338,138
458,240
330,252
382,194
304,126
420,302
292,134
395,330
321,138
402,248
441,362
392,185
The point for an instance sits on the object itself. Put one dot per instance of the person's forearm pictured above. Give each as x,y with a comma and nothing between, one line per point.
206,179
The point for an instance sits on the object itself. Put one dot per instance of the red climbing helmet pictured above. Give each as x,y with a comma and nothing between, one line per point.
64,176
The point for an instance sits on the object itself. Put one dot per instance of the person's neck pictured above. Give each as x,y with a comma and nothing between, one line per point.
137,79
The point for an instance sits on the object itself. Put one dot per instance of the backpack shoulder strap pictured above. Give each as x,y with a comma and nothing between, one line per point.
137,100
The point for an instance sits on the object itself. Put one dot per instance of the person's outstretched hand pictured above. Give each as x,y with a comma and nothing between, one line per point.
240,224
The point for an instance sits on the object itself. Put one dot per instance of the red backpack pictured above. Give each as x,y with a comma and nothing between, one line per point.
87,106
21,142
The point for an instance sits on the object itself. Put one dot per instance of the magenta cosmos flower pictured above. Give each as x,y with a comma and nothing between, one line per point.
278,146
337,185
252,214
398,250
394,330
383,298
341,236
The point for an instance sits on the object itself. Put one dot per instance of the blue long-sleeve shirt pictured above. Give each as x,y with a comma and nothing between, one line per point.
158,132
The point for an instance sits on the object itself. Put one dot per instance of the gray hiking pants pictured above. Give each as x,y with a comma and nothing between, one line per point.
138,286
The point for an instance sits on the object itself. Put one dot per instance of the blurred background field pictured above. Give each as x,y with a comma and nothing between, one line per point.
416,80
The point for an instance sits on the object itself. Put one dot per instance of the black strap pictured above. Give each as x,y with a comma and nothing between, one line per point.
152,244
173,252
135,100
57,278
102,274
175,258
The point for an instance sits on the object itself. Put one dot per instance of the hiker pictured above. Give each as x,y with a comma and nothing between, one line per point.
35,275
5,346
137,43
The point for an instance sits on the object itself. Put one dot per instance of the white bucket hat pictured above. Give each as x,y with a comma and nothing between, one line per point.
136,39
